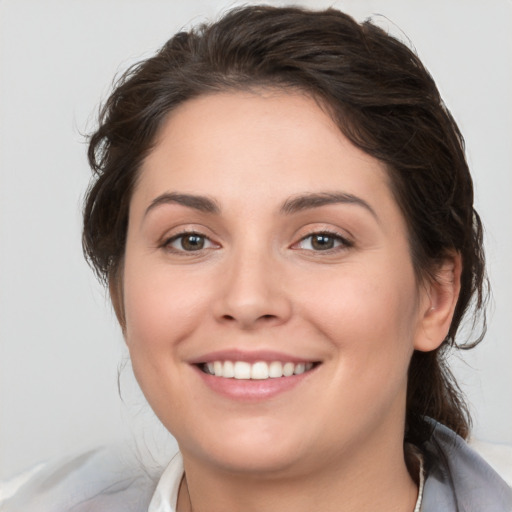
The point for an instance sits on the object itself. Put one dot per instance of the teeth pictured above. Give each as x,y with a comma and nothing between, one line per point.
217,367
288,369
259,371
242,370
228,369
255,371
299,368
275,369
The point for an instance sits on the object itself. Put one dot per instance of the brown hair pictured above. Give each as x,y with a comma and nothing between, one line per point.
382,98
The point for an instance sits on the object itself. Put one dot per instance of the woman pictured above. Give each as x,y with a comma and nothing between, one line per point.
284,216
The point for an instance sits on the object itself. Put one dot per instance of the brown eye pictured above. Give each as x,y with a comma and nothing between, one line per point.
323,242
189,242
192,242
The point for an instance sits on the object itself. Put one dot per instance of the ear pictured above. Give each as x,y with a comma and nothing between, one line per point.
439,298
115,288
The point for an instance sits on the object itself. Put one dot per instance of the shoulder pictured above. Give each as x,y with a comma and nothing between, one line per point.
105,479
458,478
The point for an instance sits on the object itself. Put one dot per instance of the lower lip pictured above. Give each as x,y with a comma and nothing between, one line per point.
252,390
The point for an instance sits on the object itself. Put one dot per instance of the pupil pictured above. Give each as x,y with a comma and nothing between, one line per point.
322,242
193,243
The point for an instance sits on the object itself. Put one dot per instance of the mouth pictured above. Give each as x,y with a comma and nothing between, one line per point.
258,370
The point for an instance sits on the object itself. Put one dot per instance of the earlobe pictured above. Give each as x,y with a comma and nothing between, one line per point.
438,303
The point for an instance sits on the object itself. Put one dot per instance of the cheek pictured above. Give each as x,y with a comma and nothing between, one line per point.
371,316
161,307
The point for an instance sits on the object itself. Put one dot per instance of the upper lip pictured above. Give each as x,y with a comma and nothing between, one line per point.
252,356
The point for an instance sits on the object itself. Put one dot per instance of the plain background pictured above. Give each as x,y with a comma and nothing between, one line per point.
60,347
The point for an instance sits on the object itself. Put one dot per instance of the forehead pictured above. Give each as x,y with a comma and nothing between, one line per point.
238,145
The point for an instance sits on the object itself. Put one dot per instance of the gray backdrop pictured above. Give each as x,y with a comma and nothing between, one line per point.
60,347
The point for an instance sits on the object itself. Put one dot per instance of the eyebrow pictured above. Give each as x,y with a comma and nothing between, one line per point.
316,200
201,203
290,206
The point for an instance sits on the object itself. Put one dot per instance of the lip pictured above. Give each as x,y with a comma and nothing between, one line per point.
249,357
252,390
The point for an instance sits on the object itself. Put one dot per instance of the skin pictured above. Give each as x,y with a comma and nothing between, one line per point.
334,441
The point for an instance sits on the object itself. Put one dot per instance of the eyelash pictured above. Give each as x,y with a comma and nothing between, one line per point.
342,242
168,242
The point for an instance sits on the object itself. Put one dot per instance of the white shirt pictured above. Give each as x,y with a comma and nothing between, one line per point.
166,492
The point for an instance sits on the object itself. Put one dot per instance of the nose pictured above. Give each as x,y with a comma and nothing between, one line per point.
253,292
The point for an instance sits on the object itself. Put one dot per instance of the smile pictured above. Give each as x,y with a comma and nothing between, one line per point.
259,370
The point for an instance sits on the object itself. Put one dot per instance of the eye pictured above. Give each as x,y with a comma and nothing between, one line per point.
323,241
189,242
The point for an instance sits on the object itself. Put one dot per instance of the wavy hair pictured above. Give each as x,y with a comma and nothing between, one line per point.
383,100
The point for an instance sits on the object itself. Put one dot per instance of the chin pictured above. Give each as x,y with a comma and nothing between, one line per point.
269,462
249,451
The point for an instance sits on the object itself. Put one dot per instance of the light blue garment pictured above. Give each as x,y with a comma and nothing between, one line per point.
457,480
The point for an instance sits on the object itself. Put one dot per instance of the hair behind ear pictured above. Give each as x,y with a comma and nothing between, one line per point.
115,288
432,390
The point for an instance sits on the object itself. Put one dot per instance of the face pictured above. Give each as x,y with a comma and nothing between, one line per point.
271,307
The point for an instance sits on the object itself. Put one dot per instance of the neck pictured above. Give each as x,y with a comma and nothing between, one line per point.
350,482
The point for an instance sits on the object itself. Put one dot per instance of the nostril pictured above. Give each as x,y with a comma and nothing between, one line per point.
261,318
